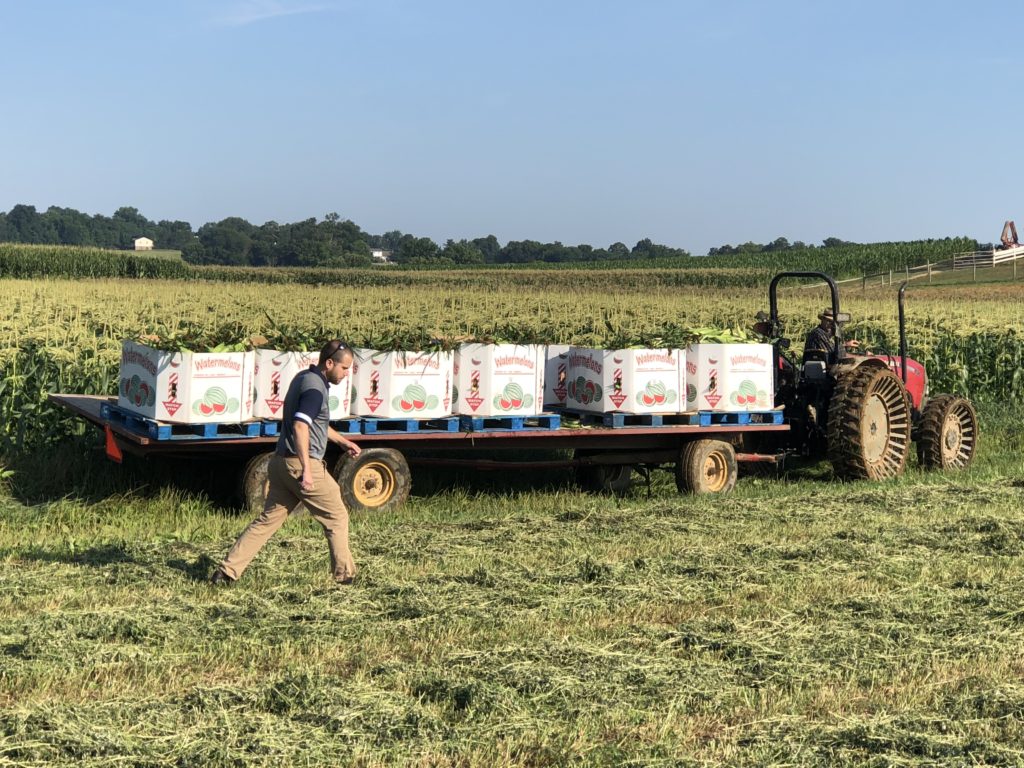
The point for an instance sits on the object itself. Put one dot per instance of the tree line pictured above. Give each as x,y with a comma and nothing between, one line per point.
330,242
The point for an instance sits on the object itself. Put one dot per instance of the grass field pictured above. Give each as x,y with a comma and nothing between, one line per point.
800,622
511,620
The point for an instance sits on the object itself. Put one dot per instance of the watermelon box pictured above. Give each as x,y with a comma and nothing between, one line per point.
556,375
186,387
730,377
499,380
274,371
399,385
625,380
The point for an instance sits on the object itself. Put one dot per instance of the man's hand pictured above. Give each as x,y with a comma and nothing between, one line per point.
351,448
306,483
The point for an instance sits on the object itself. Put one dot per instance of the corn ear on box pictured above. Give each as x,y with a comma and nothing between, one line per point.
186,387
499,380
274,372
730,377
556,375
625,380
398,385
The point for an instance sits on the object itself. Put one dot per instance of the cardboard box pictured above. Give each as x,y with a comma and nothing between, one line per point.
274,372
556,375
398,385
186,387
730,377
625,380
499,380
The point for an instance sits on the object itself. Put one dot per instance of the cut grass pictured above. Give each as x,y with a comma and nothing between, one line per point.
799,621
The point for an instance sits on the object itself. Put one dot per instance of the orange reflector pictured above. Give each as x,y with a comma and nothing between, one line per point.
113,449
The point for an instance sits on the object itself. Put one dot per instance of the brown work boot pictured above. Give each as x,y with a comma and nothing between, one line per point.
219,578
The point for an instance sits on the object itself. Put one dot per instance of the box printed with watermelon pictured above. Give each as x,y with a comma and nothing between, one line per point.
274,371
186,387
399,385
556,375
730,377
494,380
625,380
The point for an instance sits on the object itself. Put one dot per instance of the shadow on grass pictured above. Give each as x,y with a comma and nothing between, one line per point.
78,471
198,570
105,554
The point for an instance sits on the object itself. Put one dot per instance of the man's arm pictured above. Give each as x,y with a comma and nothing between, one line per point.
347,445
300,430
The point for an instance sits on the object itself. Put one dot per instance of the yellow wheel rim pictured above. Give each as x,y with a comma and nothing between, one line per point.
715,471
374,484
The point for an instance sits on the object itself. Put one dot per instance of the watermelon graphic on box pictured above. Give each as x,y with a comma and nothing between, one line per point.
395,385
499,379
186,387
730,377
625,380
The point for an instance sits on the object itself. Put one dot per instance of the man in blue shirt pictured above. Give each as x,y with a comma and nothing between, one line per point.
297,471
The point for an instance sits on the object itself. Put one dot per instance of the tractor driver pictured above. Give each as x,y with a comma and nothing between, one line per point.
821,341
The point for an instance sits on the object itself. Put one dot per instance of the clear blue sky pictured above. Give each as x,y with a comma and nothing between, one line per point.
692,123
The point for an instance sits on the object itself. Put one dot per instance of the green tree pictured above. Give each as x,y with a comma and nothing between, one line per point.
462,252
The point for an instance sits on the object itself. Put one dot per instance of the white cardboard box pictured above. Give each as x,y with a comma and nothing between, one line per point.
186,387
730,377
556,375
397,385
625,380
274,372
499,380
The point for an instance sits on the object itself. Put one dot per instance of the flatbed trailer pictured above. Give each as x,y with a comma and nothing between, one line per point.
704,457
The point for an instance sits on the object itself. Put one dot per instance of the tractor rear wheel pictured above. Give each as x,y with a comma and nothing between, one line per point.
948,435
869,424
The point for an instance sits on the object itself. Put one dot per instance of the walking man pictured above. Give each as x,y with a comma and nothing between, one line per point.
297,472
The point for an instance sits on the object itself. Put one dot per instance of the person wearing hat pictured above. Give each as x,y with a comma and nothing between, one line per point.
821,341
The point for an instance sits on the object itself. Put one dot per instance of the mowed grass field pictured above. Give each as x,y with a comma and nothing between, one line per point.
511,620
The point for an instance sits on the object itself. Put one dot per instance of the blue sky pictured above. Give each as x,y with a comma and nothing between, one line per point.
694,123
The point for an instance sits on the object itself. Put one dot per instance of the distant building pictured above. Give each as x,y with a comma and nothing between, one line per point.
380,255
143,244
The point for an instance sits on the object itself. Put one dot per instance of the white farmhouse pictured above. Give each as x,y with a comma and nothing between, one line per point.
143,244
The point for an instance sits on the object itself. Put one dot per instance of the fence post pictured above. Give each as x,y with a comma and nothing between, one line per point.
907,267
1015,268
890,277
929,273
975,271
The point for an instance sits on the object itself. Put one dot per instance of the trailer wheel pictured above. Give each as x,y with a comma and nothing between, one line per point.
948,435
616,479
255,483
706,466
378,479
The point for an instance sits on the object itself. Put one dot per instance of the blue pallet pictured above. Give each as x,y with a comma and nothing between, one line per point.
372,426
541,422
347,426
271,428
626,420
710,418
162,430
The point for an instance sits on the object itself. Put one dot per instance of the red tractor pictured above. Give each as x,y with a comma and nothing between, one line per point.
863,411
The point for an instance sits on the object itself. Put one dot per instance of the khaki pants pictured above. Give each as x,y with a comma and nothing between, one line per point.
323,502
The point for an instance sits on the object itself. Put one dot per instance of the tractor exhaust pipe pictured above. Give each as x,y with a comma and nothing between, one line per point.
900,301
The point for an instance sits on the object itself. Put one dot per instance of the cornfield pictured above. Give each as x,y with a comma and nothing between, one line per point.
65,336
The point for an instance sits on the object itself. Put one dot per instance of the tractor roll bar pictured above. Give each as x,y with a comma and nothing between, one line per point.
773,304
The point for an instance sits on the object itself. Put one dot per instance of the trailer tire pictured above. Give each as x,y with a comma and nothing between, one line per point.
377,480
255,483
706,466
615,479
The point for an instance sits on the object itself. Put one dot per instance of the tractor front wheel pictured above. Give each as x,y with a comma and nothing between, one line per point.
869,424
948,435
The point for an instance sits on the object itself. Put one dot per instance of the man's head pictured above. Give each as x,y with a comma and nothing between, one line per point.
828,320
335,360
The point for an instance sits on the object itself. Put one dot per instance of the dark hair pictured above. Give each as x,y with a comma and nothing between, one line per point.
335,350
